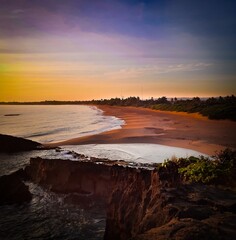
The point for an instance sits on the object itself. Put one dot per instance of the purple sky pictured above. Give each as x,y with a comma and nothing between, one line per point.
101,49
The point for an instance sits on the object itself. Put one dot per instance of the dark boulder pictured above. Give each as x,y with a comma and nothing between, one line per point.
21,174
10,144
13,190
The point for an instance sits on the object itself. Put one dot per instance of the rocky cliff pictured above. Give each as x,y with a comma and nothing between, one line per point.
143,203
147,208
85,178
136,203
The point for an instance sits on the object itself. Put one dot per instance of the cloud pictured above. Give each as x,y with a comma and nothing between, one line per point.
18,11
137,72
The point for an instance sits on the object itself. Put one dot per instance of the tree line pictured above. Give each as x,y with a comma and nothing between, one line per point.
213,108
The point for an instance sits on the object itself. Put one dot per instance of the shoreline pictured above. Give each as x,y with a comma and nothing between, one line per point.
190,131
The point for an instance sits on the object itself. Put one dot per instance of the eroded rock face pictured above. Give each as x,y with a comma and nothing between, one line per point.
136,203
219,227
148,206
142,203
85,178
13,190
10,144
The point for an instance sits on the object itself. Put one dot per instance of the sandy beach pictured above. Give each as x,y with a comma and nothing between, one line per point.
191,131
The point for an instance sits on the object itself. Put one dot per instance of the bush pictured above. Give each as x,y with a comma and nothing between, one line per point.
219,170
203,171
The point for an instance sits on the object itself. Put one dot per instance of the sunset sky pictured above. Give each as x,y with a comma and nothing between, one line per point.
93,49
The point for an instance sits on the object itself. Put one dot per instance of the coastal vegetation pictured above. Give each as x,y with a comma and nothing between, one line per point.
220,169
213,108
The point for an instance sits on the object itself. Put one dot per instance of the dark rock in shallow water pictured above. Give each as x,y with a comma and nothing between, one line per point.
10,144
13,190
21,174
12,115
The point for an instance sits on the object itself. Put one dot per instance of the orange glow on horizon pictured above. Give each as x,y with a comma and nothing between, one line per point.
25,77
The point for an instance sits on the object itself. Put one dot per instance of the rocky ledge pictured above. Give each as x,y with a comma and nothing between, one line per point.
142,203
10,144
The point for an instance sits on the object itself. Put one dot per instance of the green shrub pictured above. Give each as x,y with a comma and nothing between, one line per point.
203,170
220,169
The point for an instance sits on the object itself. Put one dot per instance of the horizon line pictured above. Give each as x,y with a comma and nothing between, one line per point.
102,99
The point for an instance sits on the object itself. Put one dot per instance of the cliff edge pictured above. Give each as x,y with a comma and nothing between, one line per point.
142,202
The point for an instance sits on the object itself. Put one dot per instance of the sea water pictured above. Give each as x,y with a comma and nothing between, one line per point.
53,123
49,216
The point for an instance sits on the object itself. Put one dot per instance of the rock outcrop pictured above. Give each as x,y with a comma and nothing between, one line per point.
157,205
84,178
143,203
183,212
10,144
13,190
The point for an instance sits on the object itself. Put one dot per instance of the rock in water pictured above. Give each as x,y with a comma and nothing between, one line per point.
13,190
11,144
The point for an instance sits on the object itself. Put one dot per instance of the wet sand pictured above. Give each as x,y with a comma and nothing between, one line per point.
191,131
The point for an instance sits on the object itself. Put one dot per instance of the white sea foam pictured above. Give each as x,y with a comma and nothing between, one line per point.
138,152
54,122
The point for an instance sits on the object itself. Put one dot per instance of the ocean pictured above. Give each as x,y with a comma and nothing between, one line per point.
53,123
48,215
